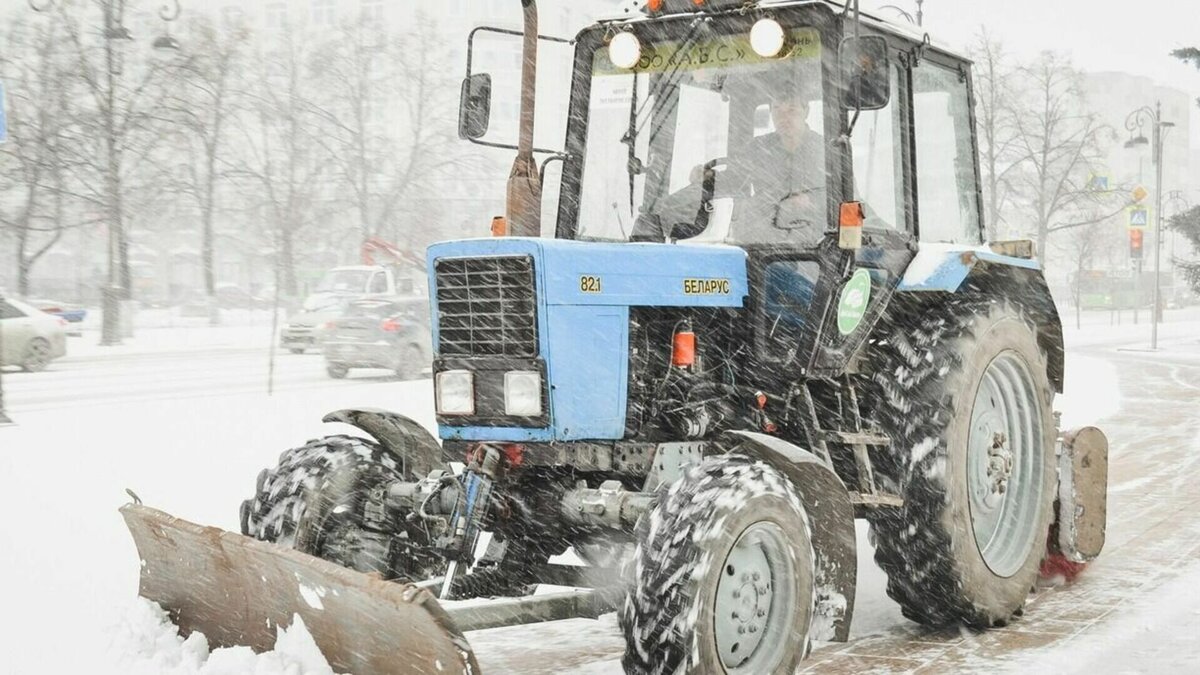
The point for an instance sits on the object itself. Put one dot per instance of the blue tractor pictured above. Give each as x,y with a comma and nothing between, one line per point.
763,307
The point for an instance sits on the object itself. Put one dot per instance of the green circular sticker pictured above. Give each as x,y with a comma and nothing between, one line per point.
852,306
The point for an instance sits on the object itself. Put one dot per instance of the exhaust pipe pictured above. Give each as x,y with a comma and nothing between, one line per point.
524,193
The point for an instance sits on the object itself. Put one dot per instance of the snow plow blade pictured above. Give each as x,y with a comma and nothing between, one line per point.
237,591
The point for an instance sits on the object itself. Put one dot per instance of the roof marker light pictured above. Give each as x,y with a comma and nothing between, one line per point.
767,38
624,50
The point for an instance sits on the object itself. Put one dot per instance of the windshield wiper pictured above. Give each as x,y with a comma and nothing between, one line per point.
634,166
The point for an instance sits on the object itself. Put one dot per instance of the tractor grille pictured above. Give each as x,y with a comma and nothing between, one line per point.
486,306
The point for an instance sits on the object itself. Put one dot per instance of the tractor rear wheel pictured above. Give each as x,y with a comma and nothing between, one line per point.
725,575
967,401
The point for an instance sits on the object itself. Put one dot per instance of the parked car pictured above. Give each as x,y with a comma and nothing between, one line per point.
29,337
305,330
73,315
390,333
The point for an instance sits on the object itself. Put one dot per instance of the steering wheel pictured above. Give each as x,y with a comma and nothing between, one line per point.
806,193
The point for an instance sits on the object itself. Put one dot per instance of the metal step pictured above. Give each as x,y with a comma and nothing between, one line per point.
876,501
855,438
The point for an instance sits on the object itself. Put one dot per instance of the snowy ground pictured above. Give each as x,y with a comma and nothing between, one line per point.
181,416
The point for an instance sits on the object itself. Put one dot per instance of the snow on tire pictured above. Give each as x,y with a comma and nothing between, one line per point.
282,495
722,575
965,395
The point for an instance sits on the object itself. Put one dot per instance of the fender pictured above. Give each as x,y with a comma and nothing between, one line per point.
831,521
951,268
408,441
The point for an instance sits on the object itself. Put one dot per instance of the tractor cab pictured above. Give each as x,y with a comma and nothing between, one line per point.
822,142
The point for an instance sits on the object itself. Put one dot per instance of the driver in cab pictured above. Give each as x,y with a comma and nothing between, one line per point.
783,172
776,180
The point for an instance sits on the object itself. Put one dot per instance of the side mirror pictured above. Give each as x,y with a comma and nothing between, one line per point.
475,106
865,73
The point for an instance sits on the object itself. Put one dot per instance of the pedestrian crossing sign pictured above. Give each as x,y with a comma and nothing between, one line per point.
1139,218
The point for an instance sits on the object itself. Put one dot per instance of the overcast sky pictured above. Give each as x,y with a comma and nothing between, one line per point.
1100,35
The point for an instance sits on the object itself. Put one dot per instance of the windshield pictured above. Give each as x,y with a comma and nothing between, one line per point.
705,140
344,281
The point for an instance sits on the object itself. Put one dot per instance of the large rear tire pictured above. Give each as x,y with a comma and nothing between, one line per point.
967,401
724,575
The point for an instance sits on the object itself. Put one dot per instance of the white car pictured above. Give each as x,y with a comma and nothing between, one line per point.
29,337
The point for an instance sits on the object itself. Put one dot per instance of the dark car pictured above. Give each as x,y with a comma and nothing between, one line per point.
379,333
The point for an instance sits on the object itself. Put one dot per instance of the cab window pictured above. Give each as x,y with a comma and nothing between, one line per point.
879,162
947,185
378,283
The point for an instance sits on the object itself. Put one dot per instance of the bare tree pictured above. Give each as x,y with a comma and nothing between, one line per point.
1086,246
1061,141
40,102
1001,152
384,100
202,104
284,168
116,126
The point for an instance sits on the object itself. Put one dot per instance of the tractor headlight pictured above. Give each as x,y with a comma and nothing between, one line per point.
455,392
523,393
767,37
624,50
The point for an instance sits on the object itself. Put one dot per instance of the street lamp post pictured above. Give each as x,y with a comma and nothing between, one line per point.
918,19
1136,121
115,30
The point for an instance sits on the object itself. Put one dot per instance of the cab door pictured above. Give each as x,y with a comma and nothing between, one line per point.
878,173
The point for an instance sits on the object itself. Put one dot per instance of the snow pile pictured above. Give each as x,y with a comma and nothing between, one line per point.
146,643
1091,392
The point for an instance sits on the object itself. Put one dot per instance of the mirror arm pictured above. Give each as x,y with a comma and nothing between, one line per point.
850,128
556,157
510,146
470,61
503,31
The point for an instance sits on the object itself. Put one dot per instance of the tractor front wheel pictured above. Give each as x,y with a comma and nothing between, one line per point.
314,501
725,575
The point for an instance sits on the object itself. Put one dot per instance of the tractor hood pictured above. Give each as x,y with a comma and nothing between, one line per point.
561,309
615,274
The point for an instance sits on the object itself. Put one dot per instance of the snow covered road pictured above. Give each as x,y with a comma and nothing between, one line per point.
190,431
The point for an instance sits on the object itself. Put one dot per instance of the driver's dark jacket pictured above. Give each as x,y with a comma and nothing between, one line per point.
764,173
761,174
773,171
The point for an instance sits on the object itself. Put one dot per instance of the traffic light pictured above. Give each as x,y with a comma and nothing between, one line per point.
1135,244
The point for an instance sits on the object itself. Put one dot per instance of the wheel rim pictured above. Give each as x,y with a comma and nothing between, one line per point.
410,360
754,608
1005,464
39,355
